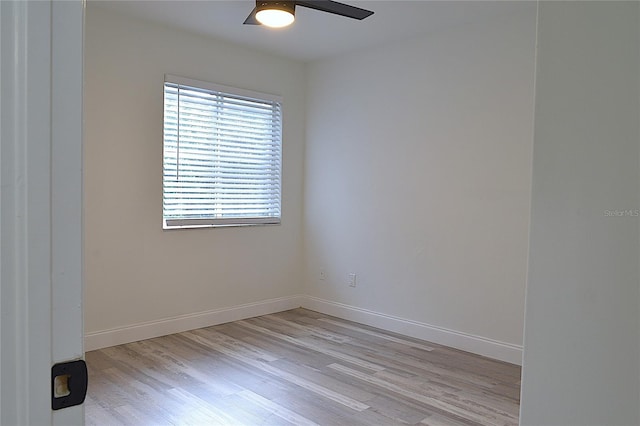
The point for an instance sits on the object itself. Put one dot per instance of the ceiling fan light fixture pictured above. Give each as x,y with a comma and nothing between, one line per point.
275,14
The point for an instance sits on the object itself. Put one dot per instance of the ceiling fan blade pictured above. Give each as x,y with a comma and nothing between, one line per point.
336,8
251,19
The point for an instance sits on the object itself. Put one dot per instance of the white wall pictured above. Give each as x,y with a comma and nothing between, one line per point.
417,166
581,362
424,193
135,271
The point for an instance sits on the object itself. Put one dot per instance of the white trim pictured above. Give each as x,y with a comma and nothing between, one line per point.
66,179
467,342
40,138
146,330
178,324
66,207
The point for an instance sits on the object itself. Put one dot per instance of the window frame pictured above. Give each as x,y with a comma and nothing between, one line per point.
247,220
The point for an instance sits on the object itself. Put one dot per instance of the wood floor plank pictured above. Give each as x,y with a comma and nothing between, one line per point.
379,335
276,409
310,329
276,372
326,349
359,393
297,368
476,412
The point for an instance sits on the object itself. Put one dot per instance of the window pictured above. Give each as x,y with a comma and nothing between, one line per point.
222,155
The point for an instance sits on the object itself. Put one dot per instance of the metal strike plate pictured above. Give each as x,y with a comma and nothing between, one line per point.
69,382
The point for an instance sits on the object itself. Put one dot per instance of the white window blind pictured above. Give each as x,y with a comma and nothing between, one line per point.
222,155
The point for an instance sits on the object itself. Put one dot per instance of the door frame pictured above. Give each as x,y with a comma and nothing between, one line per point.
41,76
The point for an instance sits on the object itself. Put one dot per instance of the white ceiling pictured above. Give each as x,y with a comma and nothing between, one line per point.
314,35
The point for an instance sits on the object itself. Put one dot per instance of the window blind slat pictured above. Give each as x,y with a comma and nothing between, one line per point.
222,157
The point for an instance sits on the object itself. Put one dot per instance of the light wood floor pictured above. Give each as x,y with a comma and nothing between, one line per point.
297,367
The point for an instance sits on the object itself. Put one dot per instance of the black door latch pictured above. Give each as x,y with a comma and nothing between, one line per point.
69,382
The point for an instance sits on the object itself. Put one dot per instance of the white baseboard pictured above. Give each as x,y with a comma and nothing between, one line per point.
178,324
467,342
479,345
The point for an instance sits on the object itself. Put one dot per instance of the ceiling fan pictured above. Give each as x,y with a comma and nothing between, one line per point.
278,13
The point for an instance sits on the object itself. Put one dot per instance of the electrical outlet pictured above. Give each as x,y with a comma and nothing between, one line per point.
352,279
323,275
